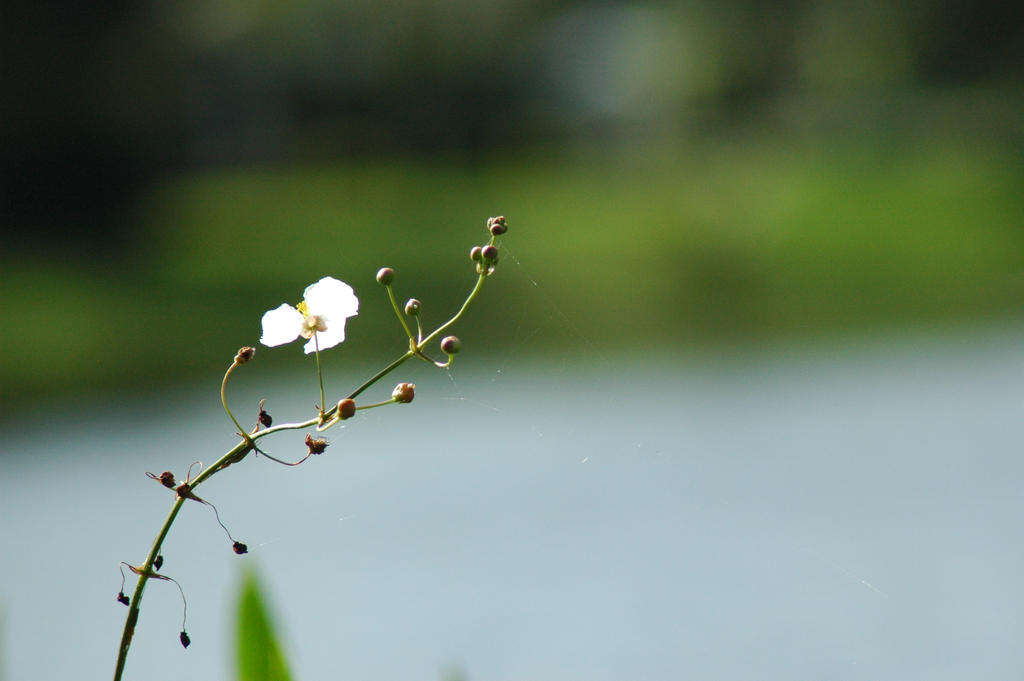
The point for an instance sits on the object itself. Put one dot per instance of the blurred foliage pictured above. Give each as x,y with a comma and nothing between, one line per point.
691,173
103,97
736,242
258,650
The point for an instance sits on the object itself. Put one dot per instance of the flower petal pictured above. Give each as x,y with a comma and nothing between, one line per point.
334,301
330,297
281,325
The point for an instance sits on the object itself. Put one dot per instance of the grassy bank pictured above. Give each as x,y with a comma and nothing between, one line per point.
741,242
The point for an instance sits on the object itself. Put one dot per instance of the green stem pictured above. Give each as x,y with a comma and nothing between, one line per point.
320,375
136,602
224,401
382,373
398,311
146,569
248,443
377,404
458,315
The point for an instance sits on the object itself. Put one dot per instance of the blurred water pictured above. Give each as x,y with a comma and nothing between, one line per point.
791,517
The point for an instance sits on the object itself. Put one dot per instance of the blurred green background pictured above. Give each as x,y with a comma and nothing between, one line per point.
686,176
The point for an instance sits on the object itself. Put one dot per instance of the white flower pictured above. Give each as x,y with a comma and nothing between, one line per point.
324,308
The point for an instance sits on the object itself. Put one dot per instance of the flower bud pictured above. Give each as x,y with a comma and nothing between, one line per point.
239,548
158,562
265,418
412,307
346,408
450,345
490,253
404,392
244,355
185,640
122,599
474,253
316,445
311,325
385,275
498,225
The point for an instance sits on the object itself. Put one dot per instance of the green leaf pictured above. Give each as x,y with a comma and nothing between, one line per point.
259,653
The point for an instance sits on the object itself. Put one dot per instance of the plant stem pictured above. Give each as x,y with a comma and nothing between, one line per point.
458,315
224,400
398,311
382,373
248,443
319,375
147,567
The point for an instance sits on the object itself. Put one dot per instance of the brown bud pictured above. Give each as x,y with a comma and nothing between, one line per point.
244,354
265,418
498,225
412,307
450,345
346,408
490,253
404,392
385,275
474,253
239,548
316,445
185,640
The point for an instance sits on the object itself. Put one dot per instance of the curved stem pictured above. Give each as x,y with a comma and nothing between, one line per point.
378,404
458,315
248,443
144,573
398,311
286,463
146,569
224,400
